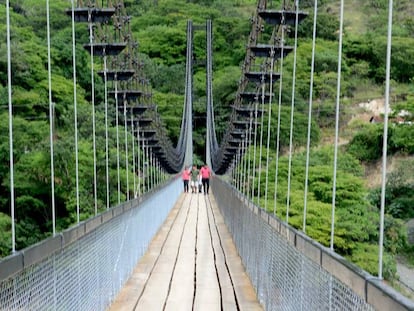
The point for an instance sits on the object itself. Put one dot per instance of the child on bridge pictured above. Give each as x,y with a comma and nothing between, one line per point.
186,178
194,179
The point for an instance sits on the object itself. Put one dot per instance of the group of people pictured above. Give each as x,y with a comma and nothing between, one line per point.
200,179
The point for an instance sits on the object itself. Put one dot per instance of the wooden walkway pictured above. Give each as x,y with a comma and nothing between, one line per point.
191,264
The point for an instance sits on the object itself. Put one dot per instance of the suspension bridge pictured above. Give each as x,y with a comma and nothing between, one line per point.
160,248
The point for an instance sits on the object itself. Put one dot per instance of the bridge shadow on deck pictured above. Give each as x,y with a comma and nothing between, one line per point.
191,264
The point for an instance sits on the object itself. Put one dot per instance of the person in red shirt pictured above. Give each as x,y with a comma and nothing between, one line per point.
186,178
205,173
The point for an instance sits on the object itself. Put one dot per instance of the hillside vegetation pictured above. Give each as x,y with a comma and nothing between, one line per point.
160,29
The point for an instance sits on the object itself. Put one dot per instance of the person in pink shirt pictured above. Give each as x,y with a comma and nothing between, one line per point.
186,178
205,173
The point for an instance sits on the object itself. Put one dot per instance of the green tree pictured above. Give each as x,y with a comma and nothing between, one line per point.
5,235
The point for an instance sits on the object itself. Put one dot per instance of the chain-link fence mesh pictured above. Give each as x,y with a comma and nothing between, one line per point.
284,278
88,274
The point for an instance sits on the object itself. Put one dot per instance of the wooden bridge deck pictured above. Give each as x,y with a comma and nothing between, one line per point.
191,264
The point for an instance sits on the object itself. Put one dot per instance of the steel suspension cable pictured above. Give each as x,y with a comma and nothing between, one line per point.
117,140
143,167
106,128
160,173
184,144
210,143
150,167
256,107
234,171
133,156
139,162
149,159
272,62
305,199
385,139
236,168
156,171
153,168
148,188
246,144
246,163
51,120
249,153
248,159
11,158
279,111
95,190
259,174
272,55
243,162
126,147
188,158
338,94
75,112
292,111
240,163
156,174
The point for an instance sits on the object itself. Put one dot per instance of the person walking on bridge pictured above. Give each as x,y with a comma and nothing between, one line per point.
186,178
205,173
194,179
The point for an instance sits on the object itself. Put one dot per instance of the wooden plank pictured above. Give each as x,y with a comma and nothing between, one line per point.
157,288
228,296
190,260
243,287
182,285
207,292
133,289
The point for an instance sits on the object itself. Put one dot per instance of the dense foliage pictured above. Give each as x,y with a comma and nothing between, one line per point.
356,219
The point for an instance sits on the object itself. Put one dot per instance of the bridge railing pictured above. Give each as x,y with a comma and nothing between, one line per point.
290,271
84,267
